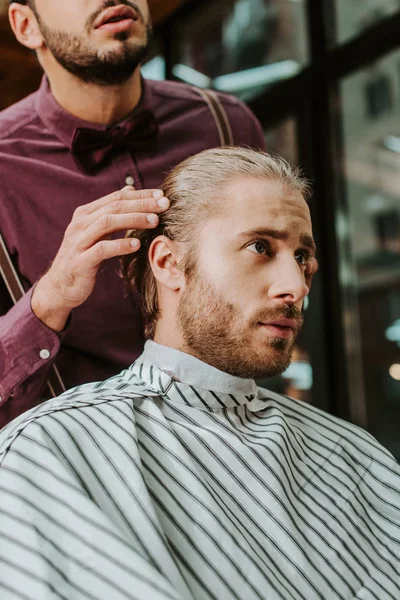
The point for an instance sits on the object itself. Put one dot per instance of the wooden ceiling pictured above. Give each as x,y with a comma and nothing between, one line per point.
19,71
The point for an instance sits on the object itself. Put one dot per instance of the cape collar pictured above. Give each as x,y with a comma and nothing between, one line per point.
185,379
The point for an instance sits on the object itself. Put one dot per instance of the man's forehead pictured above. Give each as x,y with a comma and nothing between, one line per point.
250,203
261,193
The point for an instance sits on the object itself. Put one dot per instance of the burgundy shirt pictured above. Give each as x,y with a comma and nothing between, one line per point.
40,187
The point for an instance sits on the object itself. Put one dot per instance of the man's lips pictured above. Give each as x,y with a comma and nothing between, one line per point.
115,15
283,322
281,327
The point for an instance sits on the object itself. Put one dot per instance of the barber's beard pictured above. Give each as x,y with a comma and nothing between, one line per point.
214,331
92,65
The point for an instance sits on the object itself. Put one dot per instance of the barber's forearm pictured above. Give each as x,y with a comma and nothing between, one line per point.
27,351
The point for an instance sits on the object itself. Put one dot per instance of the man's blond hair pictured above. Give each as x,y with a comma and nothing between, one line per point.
194,189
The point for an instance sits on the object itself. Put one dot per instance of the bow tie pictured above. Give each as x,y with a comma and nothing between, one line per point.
92,147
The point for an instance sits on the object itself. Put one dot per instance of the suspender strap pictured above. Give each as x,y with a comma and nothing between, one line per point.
219,114
54,383
9,274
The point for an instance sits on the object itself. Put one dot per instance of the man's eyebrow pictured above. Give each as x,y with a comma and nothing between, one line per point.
305,240
309,242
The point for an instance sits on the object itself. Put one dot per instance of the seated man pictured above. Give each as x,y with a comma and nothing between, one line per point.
179,478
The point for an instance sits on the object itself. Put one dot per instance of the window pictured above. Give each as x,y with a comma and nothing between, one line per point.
242,46
356,16
370,236
378,96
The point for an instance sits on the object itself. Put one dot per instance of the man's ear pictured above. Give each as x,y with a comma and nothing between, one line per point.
25,26
164,259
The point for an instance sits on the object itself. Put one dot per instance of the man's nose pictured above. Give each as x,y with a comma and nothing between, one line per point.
288,282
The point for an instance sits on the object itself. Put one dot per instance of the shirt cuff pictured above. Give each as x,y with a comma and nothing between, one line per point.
27,345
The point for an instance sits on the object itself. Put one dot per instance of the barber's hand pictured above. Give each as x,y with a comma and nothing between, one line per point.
86,244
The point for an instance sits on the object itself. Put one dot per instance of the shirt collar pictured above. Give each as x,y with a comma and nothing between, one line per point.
63,124
186,379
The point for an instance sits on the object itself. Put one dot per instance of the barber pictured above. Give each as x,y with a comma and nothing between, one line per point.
81,161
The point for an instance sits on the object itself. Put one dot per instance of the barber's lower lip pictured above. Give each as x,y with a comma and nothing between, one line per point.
118,26
277,330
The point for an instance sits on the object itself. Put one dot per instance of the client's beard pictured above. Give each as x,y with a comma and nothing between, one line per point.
213,331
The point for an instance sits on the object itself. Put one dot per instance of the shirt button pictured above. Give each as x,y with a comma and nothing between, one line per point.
129,180
44,354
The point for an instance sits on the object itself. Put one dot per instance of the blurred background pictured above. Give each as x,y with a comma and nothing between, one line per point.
323,77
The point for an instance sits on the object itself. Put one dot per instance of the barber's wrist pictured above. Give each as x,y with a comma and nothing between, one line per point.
47,307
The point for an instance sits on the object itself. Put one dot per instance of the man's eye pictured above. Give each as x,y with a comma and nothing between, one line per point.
302,257
258,248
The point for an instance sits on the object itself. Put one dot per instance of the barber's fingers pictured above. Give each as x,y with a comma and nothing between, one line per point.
144,205
109,224
106,249
126,193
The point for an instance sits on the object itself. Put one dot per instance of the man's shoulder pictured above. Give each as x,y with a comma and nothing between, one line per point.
188,94
18,116
171,98
114,395
335,433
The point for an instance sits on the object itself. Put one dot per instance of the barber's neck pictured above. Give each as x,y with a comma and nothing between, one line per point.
103,105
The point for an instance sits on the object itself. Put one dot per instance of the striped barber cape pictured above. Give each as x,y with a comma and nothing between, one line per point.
143,487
